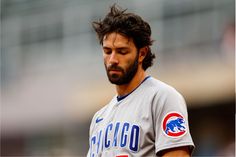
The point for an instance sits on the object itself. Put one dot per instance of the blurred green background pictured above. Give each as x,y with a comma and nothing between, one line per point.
53,78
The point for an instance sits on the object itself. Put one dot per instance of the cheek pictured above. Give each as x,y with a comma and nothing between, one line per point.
127,64
130,61
105,59
106,62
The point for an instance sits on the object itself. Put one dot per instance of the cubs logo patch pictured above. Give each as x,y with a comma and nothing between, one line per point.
174,125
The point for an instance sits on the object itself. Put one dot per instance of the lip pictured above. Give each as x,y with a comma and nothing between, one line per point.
114,71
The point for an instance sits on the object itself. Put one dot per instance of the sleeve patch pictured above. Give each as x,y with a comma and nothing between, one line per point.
174,125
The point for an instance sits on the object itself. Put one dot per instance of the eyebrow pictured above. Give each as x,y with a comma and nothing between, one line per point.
119,48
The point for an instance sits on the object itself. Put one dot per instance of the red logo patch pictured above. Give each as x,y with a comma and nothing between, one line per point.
174,125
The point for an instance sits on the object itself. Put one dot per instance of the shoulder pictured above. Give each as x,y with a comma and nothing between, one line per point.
103,110
161,88
166,96
97,114
100,112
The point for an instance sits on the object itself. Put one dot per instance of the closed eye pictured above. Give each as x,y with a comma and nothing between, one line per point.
123,51
107,50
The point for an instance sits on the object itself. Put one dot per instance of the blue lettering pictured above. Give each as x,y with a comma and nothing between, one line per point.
107,142
134,138
99,140
93,141
115,134
123,135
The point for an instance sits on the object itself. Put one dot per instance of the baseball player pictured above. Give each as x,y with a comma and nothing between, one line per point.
147,117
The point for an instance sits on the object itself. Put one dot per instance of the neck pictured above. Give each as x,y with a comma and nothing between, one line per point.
127,88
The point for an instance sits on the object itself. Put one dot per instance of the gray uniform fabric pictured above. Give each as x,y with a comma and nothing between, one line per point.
150,119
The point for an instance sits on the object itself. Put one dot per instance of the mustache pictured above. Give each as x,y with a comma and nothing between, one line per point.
114,67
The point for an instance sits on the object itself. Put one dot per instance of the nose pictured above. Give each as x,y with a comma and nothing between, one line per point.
113,58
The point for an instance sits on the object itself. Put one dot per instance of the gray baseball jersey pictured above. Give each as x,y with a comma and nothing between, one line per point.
150,119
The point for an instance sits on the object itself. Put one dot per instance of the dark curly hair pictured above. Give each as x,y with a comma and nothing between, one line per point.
130,25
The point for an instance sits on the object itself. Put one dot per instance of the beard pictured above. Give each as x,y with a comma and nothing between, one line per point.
126,74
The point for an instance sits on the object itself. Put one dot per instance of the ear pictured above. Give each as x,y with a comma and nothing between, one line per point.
142,53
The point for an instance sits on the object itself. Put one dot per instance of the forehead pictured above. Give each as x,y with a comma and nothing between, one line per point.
117,40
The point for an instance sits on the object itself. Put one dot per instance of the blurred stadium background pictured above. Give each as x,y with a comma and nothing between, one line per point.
53,79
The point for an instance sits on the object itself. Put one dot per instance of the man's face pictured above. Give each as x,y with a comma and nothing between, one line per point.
120,58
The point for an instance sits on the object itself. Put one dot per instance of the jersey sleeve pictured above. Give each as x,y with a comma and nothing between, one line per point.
171,121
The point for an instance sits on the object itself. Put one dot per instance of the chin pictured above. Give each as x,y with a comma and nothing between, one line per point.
119,82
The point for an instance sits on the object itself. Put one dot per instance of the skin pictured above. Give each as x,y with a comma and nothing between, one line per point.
176,152
121,51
